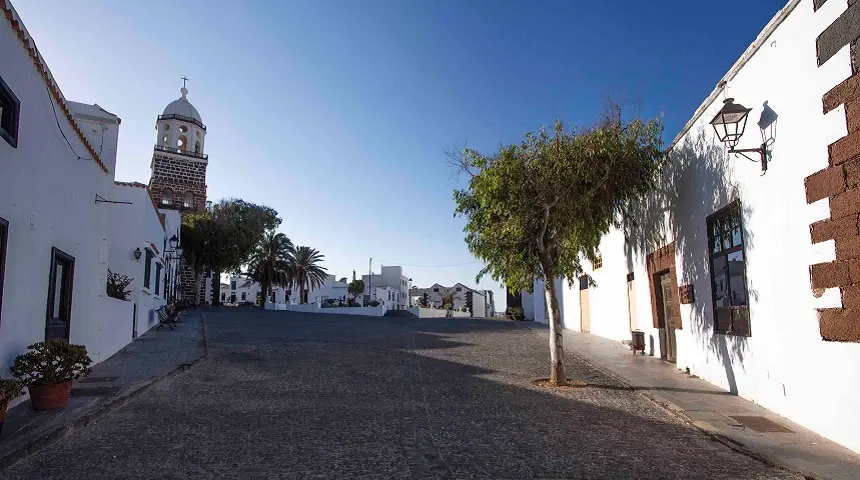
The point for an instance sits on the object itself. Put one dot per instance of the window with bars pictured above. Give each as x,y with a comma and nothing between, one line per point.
598,262
728,271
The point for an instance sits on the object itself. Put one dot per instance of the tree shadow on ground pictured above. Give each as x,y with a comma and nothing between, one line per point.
695,184
387,404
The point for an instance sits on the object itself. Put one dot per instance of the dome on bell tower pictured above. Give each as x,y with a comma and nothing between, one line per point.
182,107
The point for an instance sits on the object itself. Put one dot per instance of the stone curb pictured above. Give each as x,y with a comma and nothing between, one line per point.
42,441
678,412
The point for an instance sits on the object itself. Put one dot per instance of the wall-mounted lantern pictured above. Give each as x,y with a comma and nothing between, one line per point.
730,123
174,242
137,253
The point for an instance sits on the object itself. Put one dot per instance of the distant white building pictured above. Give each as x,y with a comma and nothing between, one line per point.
331,289
390,286
479,302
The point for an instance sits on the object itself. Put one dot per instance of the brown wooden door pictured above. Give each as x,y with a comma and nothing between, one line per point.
584,318
668,316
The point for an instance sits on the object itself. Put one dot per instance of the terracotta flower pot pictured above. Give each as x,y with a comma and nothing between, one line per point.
47,397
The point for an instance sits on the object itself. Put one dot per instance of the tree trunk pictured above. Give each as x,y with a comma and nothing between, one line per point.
264,294
557,375
216,289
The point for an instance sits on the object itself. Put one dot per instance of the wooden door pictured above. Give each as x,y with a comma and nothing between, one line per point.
631,302
668,316
584,316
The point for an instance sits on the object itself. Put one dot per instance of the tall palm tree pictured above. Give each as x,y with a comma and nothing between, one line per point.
305,273
271,261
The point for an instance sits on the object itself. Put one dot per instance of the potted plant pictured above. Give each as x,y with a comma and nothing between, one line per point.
47,370
9,389
514,313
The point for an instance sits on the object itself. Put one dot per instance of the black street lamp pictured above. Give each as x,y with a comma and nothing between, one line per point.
729,125
174,242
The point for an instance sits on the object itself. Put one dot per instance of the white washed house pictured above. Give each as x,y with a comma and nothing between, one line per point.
54,234
749,280
480,300
396,297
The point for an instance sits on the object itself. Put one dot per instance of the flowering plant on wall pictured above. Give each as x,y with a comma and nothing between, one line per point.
51,362
117,286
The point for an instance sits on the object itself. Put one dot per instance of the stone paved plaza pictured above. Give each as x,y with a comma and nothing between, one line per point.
288,395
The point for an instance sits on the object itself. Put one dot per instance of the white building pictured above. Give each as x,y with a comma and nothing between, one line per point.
398,285
331,289
140,249
479,302
718,272
58,160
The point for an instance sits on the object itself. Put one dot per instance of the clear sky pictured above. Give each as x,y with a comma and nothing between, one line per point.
338,113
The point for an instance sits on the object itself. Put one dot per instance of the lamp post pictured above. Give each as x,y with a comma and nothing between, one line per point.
175,253
729,125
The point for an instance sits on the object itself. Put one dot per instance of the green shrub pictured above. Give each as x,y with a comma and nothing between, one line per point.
515,313
51,362
9,389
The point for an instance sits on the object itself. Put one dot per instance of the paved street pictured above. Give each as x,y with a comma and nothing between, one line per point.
287,395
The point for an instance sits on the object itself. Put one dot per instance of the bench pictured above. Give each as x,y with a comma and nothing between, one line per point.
166,317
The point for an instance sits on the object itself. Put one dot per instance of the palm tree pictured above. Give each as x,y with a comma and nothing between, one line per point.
271,261
305,271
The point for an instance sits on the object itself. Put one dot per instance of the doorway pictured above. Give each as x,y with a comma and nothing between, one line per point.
631,302
667,316
584,315
60,287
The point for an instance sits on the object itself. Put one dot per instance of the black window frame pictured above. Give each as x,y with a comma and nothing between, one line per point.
157,277
737,313
598,263
67,290
9,128
147,268
4,241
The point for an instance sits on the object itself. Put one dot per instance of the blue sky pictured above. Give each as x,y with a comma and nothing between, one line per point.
338,113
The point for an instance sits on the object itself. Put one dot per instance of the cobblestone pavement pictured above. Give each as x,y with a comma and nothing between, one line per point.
290,395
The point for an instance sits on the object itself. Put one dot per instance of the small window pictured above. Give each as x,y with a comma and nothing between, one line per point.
166,127
243,296
10,108
189,200
4,235
197,146
436,290
223,296
147,268
164,140
459,289
167,196
157,278
60,286
183,142
183,129
233,285
728,271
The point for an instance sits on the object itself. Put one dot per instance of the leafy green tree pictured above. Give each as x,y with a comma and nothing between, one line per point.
534,209
448,301
226,234
193,251
305,271
270,262
355,288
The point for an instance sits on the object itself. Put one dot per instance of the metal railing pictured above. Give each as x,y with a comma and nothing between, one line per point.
183,118
162,148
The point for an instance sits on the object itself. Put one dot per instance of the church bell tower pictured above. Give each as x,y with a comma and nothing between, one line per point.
178,180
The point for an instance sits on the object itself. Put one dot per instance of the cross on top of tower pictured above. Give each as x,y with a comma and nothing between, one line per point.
184,79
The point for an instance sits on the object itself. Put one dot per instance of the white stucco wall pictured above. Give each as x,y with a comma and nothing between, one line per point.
115,327
47,196
137,226
784,365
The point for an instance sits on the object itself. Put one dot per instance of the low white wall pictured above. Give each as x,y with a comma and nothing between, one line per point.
115,327
377,311
434,313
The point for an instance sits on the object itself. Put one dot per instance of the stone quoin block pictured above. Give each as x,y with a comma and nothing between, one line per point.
853,272
825,183
840,33
851,297
830,229
848,248
829,275
839,324
844,149
845,92
852,113
852,173
845,204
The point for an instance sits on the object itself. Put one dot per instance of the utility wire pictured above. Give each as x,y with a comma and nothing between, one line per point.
57,119
383,262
